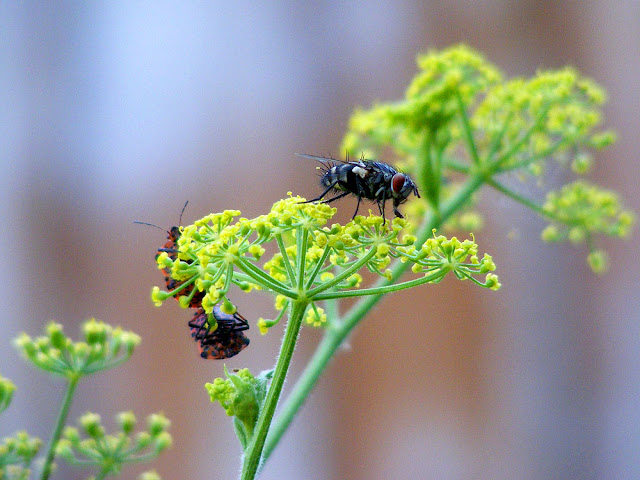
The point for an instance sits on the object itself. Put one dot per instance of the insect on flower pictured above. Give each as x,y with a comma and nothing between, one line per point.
368,179
226,340
173,234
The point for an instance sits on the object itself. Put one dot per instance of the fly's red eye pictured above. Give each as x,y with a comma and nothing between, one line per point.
397,182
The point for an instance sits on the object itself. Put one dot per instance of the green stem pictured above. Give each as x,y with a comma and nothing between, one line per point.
381,290
318,267
253,455
285,259
333,338
497,163
468,132
262,278
302,239
539,156
344,274
62,418
519,198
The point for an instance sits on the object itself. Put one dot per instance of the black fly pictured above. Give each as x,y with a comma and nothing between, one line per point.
368,179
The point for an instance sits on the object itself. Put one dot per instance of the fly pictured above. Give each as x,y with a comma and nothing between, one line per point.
375,181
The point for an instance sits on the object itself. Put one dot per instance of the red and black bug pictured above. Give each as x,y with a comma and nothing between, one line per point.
170,248
226,340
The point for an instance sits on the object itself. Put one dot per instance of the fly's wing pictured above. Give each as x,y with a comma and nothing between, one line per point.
360,163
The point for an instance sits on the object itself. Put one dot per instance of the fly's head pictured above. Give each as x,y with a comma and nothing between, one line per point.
401,187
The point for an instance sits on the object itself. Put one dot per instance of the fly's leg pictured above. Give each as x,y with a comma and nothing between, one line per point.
335,198
323,194
357,207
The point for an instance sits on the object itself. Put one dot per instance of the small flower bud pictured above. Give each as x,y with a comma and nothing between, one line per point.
158,296
326,276
492,281
281,302
72,434
262,326
228,307
94,331
316,317
150,475
582,163
382,250
6,392
56,337
127,421
163,441
551,234
487,264
25,344
157,423
598,261
257,251
143,439
64,450
130,340
577,235
90,422
80,349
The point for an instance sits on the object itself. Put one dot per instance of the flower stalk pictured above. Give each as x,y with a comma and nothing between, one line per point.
253,454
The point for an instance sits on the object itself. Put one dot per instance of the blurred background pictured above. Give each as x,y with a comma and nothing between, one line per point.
122,111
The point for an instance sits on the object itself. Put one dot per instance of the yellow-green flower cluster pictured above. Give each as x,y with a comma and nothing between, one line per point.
241,395
460,120
581,209
110,452
316,317
221,250
312,258
578,211
104,347
213,249
554,115
446,79
439,255
16,454
459,115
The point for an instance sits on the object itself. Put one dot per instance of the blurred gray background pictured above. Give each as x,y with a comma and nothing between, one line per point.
111,113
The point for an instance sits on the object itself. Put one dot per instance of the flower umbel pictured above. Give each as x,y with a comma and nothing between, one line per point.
461,120
91,446
104,347
16,455
313,261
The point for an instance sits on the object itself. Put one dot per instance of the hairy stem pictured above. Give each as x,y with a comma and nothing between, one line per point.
253,455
